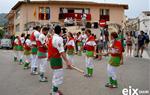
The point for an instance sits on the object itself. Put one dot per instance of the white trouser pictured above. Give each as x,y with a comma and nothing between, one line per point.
42,64
34,63
89,62
16,54
21,55
58,76
70,58
79,48
111,71
28,58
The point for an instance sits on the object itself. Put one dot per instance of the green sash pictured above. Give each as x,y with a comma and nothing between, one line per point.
90,53
56,63
20,48
34,50
114,61
41,54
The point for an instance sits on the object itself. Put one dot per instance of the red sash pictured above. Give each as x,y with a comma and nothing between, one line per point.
32,37
41,47
26,47
52,52
88,47
19,41
117,45
70,46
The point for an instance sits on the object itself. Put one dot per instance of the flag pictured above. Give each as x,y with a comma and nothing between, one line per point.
44,13
34,12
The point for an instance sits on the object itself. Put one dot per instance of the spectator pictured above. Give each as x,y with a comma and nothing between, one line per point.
129,43
141,41
147,40
135,45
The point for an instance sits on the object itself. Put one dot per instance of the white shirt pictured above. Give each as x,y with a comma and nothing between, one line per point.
80,38
22,39
16,41
71,42
36,34
84,37
57,42
42,38
28,42
90,43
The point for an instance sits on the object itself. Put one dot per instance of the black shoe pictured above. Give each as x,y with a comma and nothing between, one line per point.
136,56
141,56
86,75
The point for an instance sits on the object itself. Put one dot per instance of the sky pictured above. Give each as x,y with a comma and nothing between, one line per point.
135,6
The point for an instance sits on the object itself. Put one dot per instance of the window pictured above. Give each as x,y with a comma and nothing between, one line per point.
44,13
17,27
104,14
17,14
87,10
148,14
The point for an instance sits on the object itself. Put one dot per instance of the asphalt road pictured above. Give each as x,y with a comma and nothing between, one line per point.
15,81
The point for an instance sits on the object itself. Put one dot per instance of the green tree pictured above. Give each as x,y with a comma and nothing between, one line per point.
1,33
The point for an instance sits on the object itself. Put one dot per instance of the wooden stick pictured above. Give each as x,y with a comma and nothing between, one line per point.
101,54
77,69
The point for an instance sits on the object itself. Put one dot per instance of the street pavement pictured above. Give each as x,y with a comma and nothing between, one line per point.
15,81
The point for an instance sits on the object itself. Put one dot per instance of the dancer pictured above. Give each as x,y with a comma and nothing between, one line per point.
15,49
115,51
90,46
21,40
70,45
27,51
42,54
79,43
55,52
34,37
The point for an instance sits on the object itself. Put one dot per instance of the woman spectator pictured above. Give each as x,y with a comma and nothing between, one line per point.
129,43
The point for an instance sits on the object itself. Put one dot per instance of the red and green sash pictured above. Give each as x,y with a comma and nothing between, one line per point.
54,56
89,49
70,48
116,58
42,50
20,45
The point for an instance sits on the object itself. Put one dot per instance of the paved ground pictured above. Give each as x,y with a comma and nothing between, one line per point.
16,81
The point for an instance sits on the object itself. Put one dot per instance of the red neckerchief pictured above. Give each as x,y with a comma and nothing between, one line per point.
91,38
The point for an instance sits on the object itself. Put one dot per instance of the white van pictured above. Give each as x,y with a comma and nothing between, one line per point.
6,43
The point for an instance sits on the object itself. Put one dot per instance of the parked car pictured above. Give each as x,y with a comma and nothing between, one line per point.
6,43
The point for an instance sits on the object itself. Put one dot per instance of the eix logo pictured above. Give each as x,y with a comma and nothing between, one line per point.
130,91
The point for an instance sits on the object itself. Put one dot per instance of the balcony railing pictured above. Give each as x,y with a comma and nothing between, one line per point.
77,16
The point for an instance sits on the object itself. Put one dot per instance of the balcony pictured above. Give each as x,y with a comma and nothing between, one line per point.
77,16
104,17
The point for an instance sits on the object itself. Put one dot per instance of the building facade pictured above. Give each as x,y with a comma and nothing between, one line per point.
27,14
140,23
144,21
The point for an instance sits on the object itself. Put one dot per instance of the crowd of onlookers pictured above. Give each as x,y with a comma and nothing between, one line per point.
133,42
